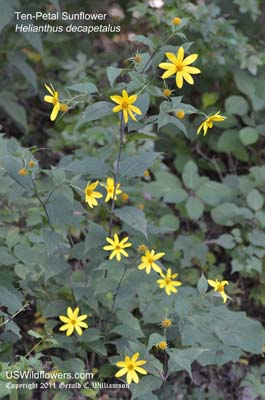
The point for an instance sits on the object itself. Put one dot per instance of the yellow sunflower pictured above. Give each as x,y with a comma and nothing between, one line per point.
180,66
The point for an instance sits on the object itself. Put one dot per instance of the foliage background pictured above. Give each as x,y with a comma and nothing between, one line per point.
203,201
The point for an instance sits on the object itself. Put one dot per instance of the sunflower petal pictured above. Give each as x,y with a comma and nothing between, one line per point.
190,59
49,89
188,78
136,110
48,99
121,372
169,73
117,108
172,57
179,80
55,111
117,99
180,55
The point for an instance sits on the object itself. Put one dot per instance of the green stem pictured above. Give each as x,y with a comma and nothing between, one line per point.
42,204
14,315
116,178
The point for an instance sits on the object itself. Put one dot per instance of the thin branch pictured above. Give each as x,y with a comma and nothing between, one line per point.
42,204
116,178
117,172
14,315
115,296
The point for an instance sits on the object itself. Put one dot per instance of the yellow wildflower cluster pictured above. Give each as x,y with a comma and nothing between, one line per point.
91,195
219,286
179,66
117,247
166,323
130,367
24,171
54,99
125,104
73,322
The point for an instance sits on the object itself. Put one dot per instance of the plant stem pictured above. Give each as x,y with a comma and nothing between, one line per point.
34,347
117,291
116,178
115,296
14,315
155,51
42,204
117,171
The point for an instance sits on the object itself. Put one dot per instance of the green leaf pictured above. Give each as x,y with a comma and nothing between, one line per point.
214,193
252,87
95,237
55,266
13,109
7,12
164,119
194,208
229,141
169,221
255,200
52,240
154,339
55,308
236,105
145,387
226,241
91,334
12,166
133,217
34,39
182,359
9,300
236,329
27,254
113,73
5,257
92,167
202,285
227,213
136,165
85,87
25,69
248,135
145,40
190,175
209,99
34,334
96,111
62,212
141,136
4,391
176,196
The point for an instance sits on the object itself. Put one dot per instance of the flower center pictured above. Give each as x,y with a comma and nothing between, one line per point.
124,104
55,98
73,321
179,67
137,58
166,323
117,247
89,192
167,280
130,367
150,260
220,288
